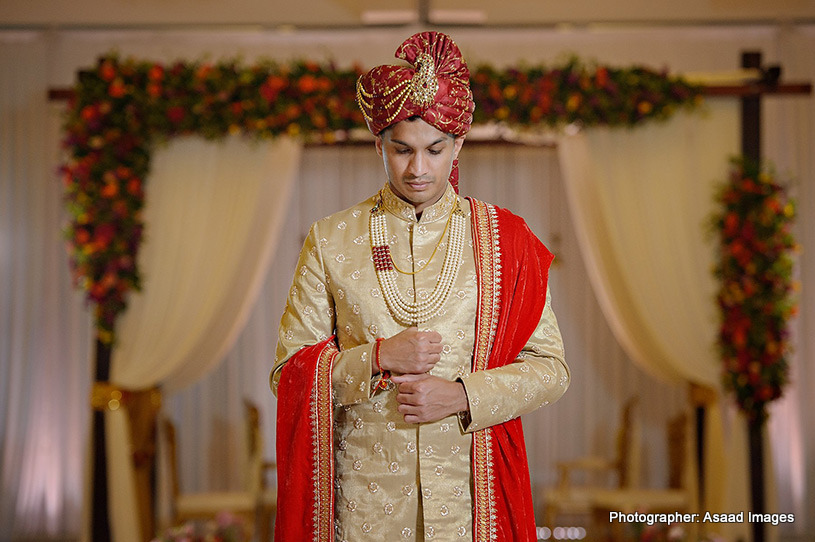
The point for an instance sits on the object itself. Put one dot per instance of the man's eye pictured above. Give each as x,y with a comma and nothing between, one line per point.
402,151
434,152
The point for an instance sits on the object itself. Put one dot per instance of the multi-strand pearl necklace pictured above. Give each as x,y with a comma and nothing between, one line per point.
406,311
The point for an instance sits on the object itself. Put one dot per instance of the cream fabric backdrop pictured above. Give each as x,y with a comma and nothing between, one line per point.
214,212
641,199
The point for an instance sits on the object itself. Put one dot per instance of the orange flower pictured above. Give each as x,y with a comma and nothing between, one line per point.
319,121
292,111
324,84
110,190
307,84
203,71
645,107
156,73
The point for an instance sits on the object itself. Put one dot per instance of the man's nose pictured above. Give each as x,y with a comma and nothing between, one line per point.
418,165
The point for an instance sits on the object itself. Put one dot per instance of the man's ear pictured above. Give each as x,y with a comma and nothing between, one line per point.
379,145
457,143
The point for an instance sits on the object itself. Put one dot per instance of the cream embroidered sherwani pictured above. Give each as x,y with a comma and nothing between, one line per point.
394,480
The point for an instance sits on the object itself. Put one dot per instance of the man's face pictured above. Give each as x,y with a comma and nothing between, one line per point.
418,159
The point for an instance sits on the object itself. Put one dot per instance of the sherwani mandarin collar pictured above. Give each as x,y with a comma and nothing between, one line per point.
407,212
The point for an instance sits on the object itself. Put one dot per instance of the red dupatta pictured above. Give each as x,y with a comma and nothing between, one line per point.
513,269
305,446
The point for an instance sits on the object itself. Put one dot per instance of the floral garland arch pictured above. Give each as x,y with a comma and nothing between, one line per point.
122,108
755,297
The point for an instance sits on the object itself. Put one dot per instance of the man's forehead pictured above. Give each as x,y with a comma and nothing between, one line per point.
415,132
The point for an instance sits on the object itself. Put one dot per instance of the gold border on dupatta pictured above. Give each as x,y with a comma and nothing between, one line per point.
487,250
322,418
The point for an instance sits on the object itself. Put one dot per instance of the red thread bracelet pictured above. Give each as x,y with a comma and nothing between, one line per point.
385,374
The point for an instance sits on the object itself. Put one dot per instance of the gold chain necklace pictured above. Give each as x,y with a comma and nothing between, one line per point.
438,243
416,312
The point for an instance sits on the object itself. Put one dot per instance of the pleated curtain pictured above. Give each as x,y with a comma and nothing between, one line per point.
214,212
640,200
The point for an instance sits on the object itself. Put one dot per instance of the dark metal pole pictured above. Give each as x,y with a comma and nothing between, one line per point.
751,114
751,148
100,521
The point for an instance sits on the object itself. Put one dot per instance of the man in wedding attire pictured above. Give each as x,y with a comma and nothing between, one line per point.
418,329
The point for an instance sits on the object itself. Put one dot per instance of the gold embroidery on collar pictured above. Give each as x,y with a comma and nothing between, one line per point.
404,210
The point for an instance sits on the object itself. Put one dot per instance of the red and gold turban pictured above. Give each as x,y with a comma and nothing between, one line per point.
436,87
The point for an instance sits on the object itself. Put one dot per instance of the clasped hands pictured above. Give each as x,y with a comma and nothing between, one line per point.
422,397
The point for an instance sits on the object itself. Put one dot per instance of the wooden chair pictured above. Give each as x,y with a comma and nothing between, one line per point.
257,473
576,500
255,503
677,497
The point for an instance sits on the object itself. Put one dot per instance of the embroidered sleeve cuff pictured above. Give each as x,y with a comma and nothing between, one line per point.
477,389
351,376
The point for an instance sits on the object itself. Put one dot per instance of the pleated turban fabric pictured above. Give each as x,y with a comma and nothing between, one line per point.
435,87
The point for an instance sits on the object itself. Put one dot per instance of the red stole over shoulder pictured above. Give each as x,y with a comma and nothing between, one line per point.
513,271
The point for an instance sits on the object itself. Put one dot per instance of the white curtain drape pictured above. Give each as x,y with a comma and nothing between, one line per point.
641,199
44,339
214,212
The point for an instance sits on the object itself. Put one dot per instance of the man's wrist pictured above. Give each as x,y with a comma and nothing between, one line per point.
464,402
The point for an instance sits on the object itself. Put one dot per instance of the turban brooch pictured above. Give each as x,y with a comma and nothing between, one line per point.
435,87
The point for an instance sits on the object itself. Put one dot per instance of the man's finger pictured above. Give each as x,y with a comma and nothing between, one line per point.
412,377
408,409
434,348
432,336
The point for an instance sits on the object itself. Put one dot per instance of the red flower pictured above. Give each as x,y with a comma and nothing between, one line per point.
117,89
134,186
107,71
156,73
272,87
154,90
731,224
120,208
601,76
103,235
176,114
82,236
89,113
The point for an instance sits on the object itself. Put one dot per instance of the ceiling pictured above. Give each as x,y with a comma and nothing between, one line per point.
328,14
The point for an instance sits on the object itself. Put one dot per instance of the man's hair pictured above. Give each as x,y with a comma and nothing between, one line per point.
410,119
